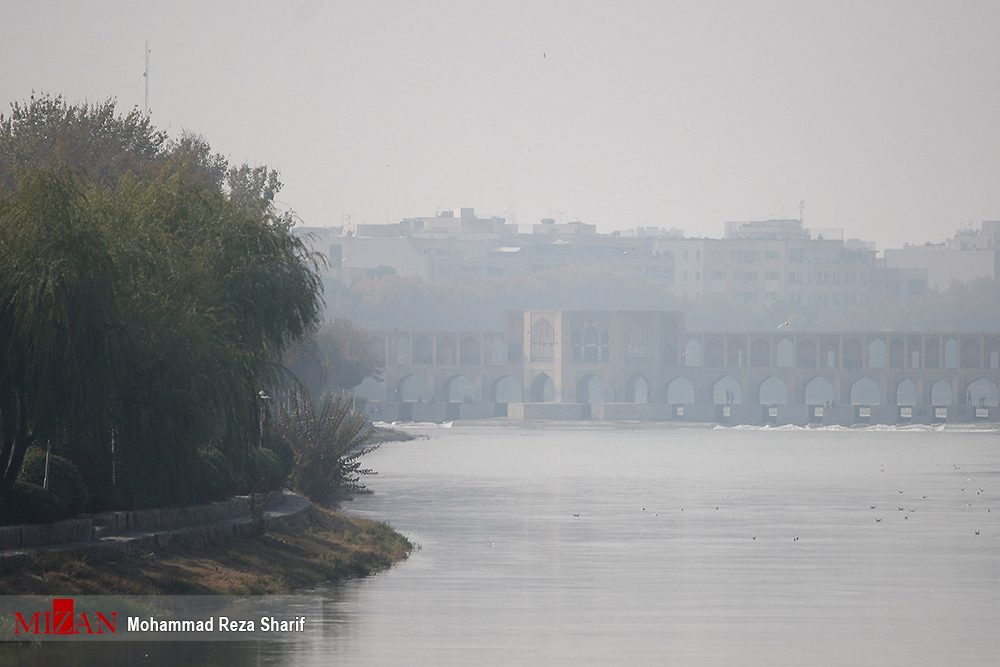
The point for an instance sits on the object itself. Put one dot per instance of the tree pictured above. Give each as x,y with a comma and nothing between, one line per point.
337,357
147,292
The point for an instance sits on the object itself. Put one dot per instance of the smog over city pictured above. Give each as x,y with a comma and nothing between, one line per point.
645,314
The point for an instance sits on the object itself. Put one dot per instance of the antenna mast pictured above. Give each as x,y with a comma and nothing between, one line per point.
145,76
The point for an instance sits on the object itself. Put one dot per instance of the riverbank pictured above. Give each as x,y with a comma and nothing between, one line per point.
327,546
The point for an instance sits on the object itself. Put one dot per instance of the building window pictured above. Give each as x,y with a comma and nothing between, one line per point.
771,275
771,254
638,347
543,339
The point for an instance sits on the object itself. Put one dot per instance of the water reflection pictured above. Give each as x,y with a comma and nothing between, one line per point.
659,546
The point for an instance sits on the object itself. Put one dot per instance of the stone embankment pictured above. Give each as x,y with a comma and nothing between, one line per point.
110,535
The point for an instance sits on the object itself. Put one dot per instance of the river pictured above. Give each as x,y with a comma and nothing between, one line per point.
585,545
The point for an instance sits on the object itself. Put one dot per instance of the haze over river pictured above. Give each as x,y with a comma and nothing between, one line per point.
692,546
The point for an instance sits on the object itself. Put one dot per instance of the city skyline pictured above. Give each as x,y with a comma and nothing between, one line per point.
878,117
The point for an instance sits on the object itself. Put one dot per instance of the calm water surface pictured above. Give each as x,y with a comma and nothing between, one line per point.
592,546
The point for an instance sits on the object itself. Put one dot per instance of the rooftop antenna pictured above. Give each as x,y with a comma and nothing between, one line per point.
802,205
145,76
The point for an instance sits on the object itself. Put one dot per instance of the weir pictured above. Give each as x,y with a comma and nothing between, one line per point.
644,366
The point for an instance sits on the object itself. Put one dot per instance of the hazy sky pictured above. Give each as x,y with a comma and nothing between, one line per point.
882,116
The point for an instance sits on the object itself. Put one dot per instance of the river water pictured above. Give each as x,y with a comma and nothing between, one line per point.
653,546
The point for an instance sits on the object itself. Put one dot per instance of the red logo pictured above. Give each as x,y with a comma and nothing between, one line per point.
62,621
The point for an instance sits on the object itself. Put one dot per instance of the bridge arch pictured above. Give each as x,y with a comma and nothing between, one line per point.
941,393
498,352
460,389
692,352
402,345
991,352
913,353
866,392
876,353
507,389
785,353
906,393
680,391
983,393
737,352
772,391
727,390
589,389
828,353
446,351
412,388
637,389
819,391
543,389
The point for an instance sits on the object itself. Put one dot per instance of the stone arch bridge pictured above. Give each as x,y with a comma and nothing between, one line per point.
643,365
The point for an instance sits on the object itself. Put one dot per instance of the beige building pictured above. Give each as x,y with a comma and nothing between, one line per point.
968,255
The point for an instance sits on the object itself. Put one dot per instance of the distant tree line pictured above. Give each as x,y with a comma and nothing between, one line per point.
147,292
383,300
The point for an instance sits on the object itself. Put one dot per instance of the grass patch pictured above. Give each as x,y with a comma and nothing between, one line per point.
330,546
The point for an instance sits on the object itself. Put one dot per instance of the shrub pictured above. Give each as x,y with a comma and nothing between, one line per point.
30,503
282,451
215,476
327,444
65,481
265,470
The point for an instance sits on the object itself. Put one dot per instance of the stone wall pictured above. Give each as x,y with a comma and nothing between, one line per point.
97,526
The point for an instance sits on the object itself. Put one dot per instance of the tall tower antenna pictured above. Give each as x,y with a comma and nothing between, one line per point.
145,76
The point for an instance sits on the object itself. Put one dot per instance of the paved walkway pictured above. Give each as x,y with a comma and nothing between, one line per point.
290,508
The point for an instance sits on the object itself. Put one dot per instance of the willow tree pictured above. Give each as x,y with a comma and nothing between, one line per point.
144,300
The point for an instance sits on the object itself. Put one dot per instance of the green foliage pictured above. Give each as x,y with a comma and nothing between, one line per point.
216,478
147,291
45,132
30,503
283,452
328,444
264,470
65,481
